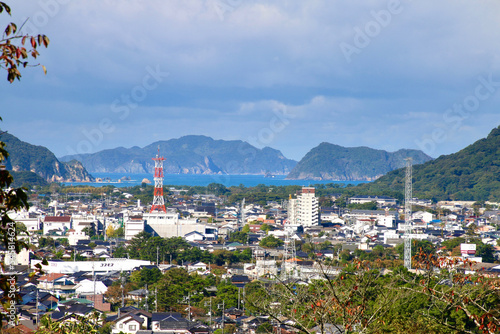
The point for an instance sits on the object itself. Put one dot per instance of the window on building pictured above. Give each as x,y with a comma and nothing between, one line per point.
131,327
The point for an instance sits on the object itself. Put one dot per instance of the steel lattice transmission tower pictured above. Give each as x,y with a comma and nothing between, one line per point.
289,264
408,224
158,201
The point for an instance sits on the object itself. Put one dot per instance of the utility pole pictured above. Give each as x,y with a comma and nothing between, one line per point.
157,253
243,299
156,300
239,290
123,298
37,308
189,306
210,323
218,306
147,293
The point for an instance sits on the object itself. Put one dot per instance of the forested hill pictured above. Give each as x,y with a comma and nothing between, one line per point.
333,162
190,155
471,174
28,158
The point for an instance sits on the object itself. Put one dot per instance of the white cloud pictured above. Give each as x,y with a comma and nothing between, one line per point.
229,74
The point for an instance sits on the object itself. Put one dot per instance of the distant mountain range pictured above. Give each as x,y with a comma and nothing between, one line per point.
35,163
189,155
333,162
472,174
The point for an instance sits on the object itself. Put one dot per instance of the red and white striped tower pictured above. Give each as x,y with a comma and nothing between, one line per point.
158,201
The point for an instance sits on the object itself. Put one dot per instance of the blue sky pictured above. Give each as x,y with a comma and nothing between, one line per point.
282,73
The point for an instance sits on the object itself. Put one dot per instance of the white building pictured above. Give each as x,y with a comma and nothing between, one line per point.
133,225
168,225
380,200
424,216
31,224
89,287
57,224
71,267
74,237
83,221
303,210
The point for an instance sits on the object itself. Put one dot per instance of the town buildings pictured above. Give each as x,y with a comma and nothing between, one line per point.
304,209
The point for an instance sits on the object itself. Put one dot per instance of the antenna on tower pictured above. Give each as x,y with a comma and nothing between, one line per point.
408,223
158,201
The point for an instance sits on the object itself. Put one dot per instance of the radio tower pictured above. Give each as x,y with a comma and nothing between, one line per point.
158,201
408,200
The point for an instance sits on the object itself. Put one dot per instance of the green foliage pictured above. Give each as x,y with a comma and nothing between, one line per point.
363,206
353,163
241,237
362,300
228,293
176,285
416,246
265,328
271,242
217,189
452,243
145,276
265,228
470,174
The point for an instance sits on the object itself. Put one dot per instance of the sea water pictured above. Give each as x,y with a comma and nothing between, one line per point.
130,180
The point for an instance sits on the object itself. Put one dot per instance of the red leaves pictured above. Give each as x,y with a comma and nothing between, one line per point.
3,6
33,42
11,29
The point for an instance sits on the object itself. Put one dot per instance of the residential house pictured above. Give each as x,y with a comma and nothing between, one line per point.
129,324
56,224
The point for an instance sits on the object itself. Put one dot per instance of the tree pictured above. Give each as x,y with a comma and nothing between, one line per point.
145,276
265,228
13,51
353,301
89,231
13,199
271,242
88,324
240,237
441,298
246,229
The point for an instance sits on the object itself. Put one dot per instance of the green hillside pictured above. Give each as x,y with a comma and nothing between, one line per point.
471,174
189,155
25,157
333,162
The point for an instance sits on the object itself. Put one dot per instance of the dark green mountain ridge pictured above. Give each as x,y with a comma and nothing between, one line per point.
27,158
189,155
471,174
333,162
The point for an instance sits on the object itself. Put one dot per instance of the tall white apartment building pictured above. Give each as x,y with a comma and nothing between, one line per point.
304,210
